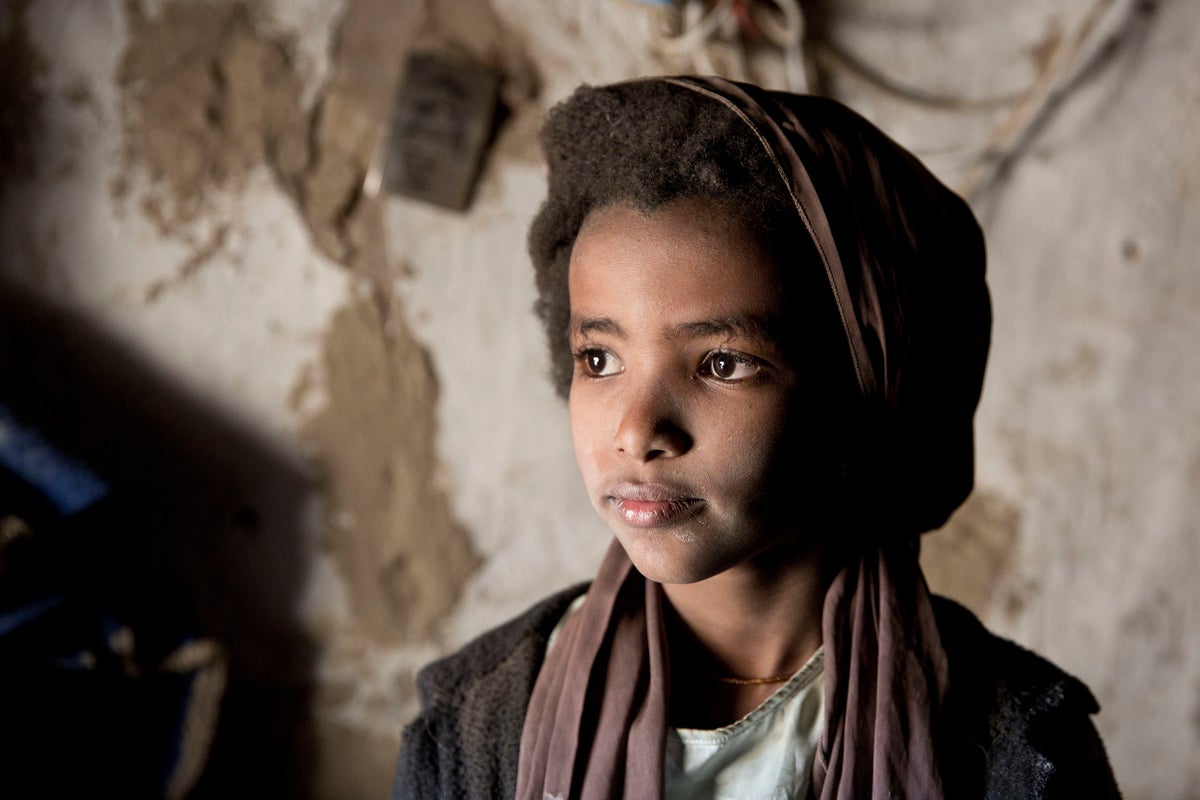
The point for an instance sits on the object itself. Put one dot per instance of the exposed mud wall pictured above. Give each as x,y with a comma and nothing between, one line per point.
229,105
403,558
206,99
341,397
219,146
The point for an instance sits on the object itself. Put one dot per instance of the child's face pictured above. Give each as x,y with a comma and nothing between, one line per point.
683,400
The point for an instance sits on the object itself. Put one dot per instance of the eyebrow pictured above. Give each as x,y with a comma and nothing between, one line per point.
764,329
586,325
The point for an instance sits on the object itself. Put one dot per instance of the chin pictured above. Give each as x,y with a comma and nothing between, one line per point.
660,559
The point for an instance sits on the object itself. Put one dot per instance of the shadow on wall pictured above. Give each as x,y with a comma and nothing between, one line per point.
201,534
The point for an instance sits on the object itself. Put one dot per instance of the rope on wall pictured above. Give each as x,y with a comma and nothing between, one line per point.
1072,56
717,37
1018,112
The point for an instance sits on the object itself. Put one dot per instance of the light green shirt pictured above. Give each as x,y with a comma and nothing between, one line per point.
766,755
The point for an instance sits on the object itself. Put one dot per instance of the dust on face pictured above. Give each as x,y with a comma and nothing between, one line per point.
683,398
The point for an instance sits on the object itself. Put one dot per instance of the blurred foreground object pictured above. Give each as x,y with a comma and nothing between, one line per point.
89,698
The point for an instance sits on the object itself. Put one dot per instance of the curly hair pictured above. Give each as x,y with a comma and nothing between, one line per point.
645,144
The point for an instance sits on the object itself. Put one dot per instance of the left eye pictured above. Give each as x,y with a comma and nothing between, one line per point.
727,366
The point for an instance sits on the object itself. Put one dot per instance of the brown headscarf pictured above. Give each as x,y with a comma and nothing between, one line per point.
904,261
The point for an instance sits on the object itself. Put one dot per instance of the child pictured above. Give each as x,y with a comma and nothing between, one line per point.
771,324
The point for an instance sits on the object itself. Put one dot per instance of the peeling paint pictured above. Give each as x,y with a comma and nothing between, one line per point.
403,557
210,95
346,128
207,97
1087,435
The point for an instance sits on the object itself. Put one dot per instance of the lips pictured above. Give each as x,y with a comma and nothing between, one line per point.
652,505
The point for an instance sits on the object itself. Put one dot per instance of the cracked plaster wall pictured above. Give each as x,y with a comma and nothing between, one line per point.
186,176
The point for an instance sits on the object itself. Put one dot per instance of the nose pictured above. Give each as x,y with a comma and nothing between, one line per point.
651,426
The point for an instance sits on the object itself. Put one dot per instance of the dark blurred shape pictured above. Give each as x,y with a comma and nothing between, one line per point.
151,564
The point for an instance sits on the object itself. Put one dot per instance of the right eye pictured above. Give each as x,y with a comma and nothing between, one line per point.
597,362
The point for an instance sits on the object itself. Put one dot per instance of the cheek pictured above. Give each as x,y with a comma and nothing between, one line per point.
752,428
755,451
585,421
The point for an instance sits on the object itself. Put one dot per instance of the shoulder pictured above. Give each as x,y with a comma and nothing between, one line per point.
1030,732
465,741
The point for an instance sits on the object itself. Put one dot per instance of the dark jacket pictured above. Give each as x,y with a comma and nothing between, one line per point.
1021,726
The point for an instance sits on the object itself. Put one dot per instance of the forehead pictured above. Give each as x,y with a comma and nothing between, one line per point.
683,260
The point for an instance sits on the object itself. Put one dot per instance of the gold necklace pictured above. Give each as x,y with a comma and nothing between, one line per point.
731,679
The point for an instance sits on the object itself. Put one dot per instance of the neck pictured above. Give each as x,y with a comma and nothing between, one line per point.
760,618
